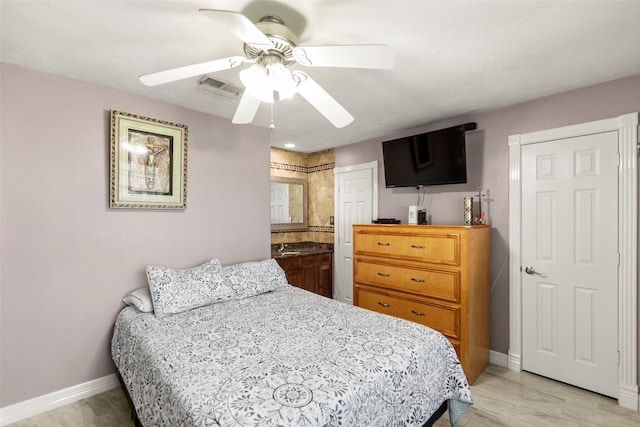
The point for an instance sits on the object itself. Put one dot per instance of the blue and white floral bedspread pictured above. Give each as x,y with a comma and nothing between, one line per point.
285,358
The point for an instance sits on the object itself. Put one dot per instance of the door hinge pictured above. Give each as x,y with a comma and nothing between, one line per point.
618,259
618,357
619,160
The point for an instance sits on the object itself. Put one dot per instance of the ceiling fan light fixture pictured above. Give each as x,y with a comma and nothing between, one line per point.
262,81
256,81
281,80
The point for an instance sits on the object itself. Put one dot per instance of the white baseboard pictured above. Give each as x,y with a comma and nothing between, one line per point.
499,359
29,408
513,362
628,397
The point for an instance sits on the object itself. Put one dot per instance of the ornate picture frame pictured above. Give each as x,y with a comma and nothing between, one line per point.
148,163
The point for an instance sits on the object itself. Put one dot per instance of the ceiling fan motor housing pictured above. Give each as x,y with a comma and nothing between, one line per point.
283,39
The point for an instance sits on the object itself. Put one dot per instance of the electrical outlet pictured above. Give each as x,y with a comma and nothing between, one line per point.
331,220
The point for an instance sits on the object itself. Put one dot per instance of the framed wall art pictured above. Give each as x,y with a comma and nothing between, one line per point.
148,163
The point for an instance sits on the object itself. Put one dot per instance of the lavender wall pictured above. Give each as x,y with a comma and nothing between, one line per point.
487,154
67,259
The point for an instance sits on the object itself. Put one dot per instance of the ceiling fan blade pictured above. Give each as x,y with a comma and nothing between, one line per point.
240,26
247,109
322,101
180,73
377,56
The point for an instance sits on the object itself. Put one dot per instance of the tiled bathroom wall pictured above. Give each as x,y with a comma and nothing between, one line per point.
317,170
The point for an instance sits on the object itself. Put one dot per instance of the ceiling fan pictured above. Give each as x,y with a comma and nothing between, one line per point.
272,48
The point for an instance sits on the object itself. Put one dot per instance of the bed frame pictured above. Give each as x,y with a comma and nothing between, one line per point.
134,414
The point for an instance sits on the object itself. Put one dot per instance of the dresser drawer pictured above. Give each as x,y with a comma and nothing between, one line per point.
434,248
445,319
440,284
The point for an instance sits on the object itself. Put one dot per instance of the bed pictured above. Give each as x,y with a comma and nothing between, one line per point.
278,355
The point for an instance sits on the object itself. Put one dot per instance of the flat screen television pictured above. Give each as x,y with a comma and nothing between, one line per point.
431,158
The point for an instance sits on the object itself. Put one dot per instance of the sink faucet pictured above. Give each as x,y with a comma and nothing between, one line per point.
282,247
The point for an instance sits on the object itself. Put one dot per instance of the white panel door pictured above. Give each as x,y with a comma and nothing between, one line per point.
570,261
354,205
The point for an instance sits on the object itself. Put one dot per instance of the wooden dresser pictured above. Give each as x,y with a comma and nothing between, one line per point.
431,274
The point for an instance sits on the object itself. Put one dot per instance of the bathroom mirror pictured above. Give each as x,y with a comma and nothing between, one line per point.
288,203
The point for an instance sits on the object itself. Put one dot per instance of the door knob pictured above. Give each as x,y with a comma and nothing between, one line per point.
530,270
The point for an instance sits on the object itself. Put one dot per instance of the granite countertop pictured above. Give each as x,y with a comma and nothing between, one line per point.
300,248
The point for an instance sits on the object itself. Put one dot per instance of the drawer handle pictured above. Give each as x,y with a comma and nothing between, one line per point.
384,244
413,279
418,246
417,313
384,274
383,304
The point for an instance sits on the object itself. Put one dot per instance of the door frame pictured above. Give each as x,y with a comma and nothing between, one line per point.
627,127
373,167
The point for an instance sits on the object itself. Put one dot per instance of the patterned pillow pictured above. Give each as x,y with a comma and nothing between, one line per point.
174,291
252,278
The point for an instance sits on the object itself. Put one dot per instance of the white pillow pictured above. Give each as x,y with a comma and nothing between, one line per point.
174,291
252,278
140,299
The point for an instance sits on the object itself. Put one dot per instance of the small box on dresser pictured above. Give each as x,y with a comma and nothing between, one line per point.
436,275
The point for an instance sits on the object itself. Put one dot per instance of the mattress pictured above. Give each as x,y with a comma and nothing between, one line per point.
285,358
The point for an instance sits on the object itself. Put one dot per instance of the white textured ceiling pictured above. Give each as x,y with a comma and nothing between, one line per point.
451,57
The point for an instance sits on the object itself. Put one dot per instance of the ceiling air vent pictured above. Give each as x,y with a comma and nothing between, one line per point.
208,85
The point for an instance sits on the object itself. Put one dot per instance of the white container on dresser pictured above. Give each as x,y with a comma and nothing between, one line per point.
436,275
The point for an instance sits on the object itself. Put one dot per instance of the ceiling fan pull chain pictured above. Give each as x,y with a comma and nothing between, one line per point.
272,125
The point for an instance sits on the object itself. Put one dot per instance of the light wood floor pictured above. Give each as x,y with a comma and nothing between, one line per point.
502,398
